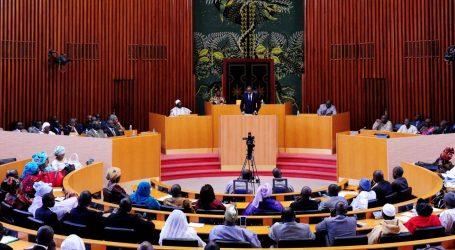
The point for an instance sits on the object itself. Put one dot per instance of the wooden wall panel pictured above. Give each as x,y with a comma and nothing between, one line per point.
421,82
99,34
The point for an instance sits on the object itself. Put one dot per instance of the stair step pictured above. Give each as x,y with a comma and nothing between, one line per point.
189,156
308,156
305,165
207,168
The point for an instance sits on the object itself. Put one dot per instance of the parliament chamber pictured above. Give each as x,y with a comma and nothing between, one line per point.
227,124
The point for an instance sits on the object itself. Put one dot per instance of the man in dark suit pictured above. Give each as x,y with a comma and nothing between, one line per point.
250,103
82,215
45,214
44,239
124,219
110,130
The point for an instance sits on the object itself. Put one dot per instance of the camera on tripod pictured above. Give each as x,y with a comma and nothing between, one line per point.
250,145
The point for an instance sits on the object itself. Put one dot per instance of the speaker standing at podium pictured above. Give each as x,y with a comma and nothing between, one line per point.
250,103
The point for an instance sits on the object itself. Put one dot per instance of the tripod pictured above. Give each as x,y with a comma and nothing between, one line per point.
250,164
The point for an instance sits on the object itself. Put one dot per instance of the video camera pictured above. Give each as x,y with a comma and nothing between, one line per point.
250,145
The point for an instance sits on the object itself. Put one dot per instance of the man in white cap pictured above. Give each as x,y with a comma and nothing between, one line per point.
179,109
46,129
389,225
230,232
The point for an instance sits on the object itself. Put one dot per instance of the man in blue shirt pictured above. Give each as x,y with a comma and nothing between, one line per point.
339,226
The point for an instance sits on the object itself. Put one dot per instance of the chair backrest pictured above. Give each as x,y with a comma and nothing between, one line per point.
139,206
203,211
120,234
391,198
20,217
233,244
170,208
293,243
267,213
373,203
351,240
107,195
6,212
7,160
34,223
240,186
75,228
405,194
280,185
180,242
429,232
391,238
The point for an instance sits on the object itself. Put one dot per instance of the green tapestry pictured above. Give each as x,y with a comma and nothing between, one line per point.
231,29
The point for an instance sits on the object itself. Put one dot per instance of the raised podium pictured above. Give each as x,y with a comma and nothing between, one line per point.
233,149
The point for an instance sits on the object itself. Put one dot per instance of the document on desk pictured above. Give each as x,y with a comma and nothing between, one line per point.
196,225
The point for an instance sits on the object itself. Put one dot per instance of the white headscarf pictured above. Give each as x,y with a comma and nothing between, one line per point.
42,188
59,150
263,192
72,242
176,226
177,101
46,124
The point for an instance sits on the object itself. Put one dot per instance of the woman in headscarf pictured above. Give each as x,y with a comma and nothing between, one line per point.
72,242
60,161
28,178
60,208
42,160
263,202
46,129
116,191
443,162
207,199
176,226
142,196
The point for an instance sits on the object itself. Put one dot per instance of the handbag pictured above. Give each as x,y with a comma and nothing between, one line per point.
74,160
55,178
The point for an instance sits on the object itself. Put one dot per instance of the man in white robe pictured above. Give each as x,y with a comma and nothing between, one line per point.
179,109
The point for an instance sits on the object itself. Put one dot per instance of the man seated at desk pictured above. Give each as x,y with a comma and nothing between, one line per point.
179,109
250,103
327,108
383,124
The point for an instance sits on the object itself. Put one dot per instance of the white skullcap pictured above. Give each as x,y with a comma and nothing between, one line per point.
230,214
59,150
46,124
42,188
177,101
72,242
388,210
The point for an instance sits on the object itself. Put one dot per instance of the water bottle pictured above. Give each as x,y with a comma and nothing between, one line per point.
298,112
131,127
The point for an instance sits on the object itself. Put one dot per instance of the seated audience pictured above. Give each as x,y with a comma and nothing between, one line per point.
118,126
327,108
142,196
96,131
332,198
88,123
61,208
44,239
427,127
289,228
399,183
381,187
176,226
176,200
56,127
211,246
339,226
444,128
207,200
45,214
73,242
230,232
19,127
304,202
365,194
36,127
42,159
14,196
116,191
447,217
46,129
2,232
123,218
443,162
383,124
11,183
263,202
111,130
389,226
408,128
217,98
28,178
73,128
145,246
82,215
60,162
418,121
278,175
247,175
179,109
187,206
424,217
